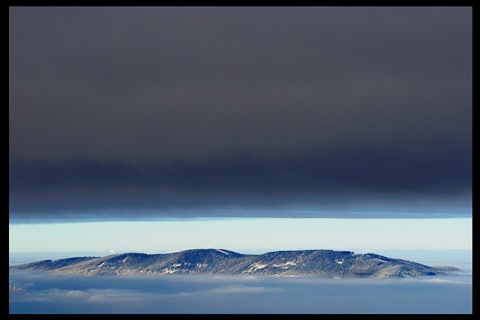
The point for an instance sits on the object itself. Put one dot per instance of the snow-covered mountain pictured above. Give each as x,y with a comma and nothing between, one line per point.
320,263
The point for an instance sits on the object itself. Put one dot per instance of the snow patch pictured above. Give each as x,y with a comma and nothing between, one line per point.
222,251
285,265
255,267
166,270
172,269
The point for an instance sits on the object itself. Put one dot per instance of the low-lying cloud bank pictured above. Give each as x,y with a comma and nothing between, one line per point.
43,293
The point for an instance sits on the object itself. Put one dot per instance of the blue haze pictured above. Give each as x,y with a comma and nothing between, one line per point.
50,294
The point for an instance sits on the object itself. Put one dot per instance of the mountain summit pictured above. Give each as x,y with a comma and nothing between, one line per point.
320,263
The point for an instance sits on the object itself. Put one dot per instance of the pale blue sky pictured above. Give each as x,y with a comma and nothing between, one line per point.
243,235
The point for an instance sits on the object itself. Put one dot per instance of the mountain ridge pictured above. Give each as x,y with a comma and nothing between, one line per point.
320,263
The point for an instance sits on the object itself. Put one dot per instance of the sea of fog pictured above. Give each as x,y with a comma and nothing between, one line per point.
41,293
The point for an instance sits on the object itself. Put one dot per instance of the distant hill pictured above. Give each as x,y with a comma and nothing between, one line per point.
319,263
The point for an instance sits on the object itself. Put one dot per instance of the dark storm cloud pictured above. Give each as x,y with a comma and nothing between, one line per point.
332,181
165,108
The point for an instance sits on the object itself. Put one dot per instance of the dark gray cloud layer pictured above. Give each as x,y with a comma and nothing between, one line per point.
162,108
332,181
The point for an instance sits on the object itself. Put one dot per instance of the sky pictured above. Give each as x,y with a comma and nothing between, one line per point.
243,235
153,113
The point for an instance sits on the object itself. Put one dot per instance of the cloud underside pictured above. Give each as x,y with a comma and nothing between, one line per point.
431,181
124,112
